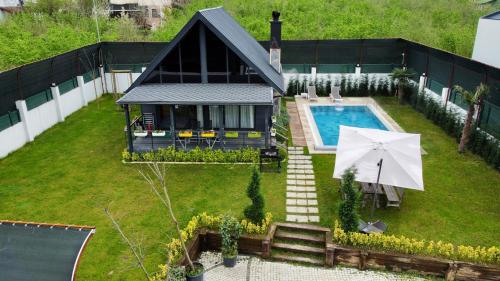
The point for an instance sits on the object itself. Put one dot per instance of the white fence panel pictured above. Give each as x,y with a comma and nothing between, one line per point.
71,101
11,139
42,117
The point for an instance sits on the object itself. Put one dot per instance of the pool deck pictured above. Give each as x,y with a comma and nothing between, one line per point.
308,129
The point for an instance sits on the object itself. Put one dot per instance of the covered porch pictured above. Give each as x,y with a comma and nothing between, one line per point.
218,116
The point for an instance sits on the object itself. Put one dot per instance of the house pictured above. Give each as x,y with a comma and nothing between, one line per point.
147,13
487,43
214,85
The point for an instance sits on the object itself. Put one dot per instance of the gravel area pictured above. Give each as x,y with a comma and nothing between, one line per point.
249,268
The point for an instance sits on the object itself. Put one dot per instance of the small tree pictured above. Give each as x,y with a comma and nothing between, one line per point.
348,209
255,212
230,230
401,77
157,181
472,100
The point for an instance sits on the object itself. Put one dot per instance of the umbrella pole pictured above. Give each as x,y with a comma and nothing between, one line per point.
379,164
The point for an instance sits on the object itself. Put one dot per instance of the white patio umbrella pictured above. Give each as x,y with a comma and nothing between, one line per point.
381,157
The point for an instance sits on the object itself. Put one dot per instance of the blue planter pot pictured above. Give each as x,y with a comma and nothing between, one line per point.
229,262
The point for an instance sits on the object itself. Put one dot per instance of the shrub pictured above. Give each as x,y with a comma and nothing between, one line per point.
170,154
348,208
404,245
255,212
230,231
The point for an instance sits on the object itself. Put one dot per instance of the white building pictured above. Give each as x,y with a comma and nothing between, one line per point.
487,44
146,12
9,6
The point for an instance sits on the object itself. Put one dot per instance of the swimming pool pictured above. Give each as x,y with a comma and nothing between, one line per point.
329,118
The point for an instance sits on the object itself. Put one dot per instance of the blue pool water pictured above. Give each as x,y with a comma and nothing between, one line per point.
329,118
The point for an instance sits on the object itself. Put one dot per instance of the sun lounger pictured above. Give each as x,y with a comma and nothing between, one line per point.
335,94
375,227
311,93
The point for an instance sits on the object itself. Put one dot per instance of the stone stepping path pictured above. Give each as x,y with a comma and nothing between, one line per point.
301,197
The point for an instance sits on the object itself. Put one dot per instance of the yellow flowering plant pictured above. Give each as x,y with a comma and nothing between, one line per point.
174,247
402,244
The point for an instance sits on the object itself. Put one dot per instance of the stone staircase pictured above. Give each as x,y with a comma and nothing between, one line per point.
299,243
301,197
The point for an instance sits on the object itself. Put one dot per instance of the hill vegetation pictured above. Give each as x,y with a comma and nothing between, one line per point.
51,27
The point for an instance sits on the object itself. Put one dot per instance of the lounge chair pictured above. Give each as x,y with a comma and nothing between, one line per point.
311,93
335,94
380,225
375,227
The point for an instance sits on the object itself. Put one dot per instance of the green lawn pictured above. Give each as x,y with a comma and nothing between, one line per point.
460,203
74,170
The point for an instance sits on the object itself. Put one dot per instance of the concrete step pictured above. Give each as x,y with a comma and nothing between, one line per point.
287,235
298,259
299,248
302,227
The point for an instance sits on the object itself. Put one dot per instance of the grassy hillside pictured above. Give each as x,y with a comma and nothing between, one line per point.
45,30
446,24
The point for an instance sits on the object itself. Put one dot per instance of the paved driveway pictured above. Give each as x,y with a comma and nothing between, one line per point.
255,269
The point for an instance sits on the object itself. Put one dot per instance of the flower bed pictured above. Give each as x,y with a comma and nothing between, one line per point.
404,245
211,222
170,154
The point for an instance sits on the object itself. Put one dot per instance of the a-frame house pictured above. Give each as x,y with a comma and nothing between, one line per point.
213,85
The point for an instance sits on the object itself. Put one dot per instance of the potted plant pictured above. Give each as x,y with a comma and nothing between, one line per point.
140,133
230,231
194,272
158,133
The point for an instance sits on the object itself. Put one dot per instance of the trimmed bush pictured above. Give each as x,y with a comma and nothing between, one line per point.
348,208
255,212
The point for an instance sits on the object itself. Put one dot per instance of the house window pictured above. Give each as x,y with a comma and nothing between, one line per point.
154,13
231,116
214,116
247,116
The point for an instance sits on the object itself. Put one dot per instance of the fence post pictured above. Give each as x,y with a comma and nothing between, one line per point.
422,82
23,114
57,99
81,83
357,70
103,79
444,95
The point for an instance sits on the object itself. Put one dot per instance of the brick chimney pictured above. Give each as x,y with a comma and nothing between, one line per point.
275,43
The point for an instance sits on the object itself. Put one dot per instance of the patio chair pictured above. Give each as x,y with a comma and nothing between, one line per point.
335,94
311,93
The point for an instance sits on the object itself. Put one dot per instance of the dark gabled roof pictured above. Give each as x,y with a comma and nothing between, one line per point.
234,37
206,94
37,251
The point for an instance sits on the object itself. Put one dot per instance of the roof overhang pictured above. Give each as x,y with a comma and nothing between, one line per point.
200,94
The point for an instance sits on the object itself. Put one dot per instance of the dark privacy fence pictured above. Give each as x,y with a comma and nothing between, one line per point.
329,56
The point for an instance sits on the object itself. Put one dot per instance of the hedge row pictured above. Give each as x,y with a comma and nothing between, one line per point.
402,244
480,143
170,154
350,86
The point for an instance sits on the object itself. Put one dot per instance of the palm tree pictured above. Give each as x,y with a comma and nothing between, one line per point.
401,77
472,100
